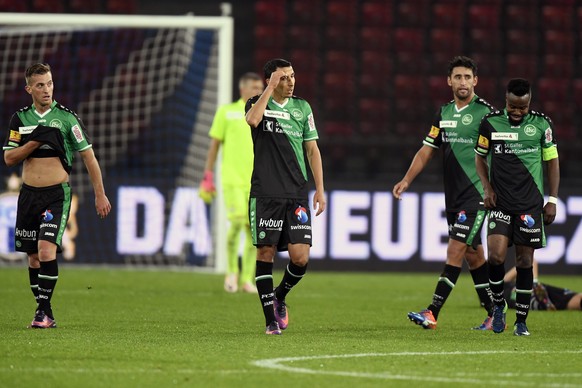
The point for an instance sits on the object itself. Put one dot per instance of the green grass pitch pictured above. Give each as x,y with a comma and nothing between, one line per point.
120,328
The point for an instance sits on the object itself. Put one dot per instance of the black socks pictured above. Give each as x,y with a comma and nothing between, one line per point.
523,290
47,280
33,278
481,280
444,287
496,274
264,282
293,274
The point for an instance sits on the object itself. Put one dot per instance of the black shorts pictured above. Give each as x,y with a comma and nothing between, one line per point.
280,221
521,229
466,226
42,214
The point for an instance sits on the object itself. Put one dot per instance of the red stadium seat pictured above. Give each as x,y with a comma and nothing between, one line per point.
342,38
554,89
558,66
521,16
375,38
13,6
410,63
48,6
409,86
339,84
373,85
440,62
521,41
270,12
377,63
269,36
485,15
84,6
303,60
340,62
488,89
335,107
578,90
342,13
121,6
522,66
409,40
263,55
562,115
488,65
558,17
303,36
413,13
448,15
486,41
335,127
306,12
377,13
438,89
373,109
446,41
559,42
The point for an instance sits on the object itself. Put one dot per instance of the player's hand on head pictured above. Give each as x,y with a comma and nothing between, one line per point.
318,203
399,188
276,77
102,205
549,213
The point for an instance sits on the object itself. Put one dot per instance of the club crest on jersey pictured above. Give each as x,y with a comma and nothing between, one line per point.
529,130
297,114
56,123
467,119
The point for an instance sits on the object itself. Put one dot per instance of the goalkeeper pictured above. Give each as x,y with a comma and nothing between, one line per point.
230,130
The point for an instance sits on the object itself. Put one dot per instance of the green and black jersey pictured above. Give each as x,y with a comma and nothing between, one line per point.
279,169
516,154
455,131
59,129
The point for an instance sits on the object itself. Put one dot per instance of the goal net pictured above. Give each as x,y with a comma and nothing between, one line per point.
146,89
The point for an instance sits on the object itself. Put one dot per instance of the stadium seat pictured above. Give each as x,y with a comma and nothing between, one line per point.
51,6
307,84
559,42
554,89
487,15
303,61
409,86
270,12
269,36
522,41
263,55
377,13
488,89
448,15
578,89
558,17
121,6
342,13
372,85
373,109
409,40
376,38
83,6
488,65
303,37
342,38
448,42
339,84
377,63
562,115
13,6
335,107
521,16
340,62
558,66
522,66
306,12
438,90
413,13
410,63
338,127
486,41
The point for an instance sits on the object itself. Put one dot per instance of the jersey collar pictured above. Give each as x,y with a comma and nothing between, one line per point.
280,105
466,106
47,111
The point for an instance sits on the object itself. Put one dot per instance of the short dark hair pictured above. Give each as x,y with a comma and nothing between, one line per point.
273,64
462,61
518,87
36,69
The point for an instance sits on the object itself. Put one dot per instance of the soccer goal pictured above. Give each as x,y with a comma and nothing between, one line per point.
147,88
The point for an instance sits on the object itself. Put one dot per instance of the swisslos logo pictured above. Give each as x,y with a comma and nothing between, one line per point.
528,220
47,215
301,214
461,216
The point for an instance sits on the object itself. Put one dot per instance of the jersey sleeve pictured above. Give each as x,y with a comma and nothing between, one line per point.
13,137
309,128
549,144
77,134
218,125
434,138
484,140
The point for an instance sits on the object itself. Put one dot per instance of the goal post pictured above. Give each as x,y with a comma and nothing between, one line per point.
167,83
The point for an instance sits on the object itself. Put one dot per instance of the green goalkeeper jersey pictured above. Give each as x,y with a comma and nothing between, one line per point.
455,131
59,129
231,129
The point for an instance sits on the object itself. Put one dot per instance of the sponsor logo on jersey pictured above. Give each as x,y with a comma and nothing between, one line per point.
529,130
311,122
268,126
498,148
30,234
448,124
306,236
548,135
483,142
27,130
14,136
47,225
277,115
434,132
77,132
528,230
47,215
492,225
298,227
527,220
301,214
56,123
462,235
504,136
297,114
270,224
467,119
461,226
499,216
262,235
461,216
49,234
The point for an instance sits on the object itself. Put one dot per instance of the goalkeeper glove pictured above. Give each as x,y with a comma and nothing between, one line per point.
207,190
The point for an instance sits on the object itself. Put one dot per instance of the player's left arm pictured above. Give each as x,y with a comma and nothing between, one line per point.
550,156
102,204
316,165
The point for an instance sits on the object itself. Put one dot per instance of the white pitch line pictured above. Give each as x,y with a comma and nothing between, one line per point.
278,363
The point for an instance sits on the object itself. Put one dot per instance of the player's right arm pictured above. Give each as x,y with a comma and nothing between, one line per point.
481,152
255,114
15,150
419,162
